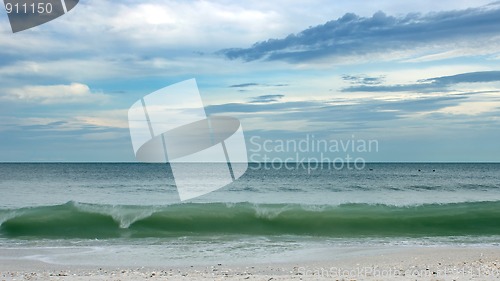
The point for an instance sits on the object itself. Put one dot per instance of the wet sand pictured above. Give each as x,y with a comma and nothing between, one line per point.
401,263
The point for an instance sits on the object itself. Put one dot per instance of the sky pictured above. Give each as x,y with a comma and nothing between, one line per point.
422,78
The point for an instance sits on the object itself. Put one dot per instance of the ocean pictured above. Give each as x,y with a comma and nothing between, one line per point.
130,213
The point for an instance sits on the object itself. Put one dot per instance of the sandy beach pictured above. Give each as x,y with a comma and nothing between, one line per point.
400,263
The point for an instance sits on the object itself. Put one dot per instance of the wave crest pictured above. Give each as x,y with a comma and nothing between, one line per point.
79,220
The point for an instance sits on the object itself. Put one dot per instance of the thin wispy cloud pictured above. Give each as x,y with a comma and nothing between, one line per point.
267,98
244,85
363,79
471,77
367,110
54,94
355,35
442,83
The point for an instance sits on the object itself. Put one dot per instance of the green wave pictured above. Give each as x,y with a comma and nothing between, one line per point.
77,220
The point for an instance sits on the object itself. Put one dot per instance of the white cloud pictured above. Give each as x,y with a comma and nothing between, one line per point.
410,75
439,56
483,47
98,120
126,67
67,68
12,123
475,105
55,94
102,26
169,24
117,118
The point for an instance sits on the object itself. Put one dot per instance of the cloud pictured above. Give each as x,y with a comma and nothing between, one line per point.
442,83
63,68
471,77
494,3
415,116
117,118
76,120
364,111
244,85
259,108
164,25
55,94
145,24
419,87
355,35
267,98
363,79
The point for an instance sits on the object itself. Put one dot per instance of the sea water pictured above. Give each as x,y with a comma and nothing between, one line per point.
130,213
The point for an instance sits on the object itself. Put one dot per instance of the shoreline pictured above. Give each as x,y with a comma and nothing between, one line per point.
396,263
